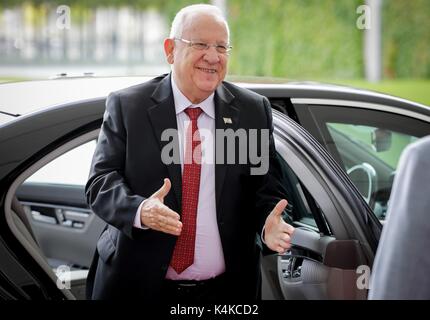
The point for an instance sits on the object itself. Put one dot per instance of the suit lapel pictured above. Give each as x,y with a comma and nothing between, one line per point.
226,117
163,116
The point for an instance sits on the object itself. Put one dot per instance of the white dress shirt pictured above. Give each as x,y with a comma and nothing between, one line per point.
208,255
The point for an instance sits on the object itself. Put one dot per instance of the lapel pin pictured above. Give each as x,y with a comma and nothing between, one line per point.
227,120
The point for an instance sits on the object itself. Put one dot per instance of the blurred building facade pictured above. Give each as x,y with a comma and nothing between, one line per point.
99,36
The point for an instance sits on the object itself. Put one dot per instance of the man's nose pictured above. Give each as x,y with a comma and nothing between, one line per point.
211,55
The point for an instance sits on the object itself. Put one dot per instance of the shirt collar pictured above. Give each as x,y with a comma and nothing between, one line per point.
182,102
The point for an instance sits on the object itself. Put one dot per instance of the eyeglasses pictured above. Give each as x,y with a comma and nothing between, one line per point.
220,48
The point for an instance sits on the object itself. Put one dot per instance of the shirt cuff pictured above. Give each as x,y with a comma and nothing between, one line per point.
137,221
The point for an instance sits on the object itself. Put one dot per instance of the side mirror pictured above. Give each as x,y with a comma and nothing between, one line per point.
381,139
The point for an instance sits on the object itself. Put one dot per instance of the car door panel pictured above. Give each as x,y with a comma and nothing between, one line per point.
54,193
316,268
65,229
323,261
320,267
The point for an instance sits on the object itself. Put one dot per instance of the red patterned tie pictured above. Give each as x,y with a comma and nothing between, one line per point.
183,255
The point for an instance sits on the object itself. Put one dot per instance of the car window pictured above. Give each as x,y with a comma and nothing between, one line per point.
379,146
71,168
368,145
373,172
385,145
302,210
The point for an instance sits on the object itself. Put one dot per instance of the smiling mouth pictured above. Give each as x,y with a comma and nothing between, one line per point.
207,70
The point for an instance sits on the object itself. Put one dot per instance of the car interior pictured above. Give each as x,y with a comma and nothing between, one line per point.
51,219
54,221
318,267
54,224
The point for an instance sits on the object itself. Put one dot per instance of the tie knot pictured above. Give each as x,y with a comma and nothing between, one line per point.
193,113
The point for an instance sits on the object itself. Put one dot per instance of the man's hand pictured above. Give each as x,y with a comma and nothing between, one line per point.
277,233
156,215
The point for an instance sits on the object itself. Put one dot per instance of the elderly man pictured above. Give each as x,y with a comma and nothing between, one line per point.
198,236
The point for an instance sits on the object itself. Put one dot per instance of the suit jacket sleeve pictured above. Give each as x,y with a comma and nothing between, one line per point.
107,192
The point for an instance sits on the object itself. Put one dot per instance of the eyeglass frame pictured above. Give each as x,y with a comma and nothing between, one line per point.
207,45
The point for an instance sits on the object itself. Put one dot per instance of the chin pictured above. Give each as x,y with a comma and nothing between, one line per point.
208,86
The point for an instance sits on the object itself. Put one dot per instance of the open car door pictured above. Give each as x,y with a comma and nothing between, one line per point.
336,231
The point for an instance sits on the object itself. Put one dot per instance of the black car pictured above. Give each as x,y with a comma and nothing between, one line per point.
340,148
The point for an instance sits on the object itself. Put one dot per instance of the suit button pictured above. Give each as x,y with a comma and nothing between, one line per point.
164,267
221,223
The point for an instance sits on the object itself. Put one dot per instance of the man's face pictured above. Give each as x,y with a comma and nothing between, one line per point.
198,72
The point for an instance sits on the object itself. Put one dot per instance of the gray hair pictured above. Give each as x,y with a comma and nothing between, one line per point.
180,18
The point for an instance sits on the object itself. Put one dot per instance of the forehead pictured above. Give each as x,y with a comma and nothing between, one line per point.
204,27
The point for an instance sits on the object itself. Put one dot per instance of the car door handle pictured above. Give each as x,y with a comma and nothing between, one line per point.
75,215
72,219
39,217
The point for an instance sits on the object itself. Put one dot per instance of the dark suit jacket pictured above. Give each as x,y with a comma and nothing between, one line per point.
127,168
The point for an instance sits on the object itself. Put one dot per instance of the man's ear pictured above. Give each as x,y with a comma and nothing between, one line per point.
169,46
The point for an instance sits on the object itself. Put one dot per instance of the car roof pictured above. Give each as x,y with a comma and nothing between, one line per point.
20,98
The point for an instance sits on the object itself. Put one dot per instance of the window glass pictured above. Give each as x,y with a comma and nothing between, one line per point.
386,145
71,168
370,156
302,208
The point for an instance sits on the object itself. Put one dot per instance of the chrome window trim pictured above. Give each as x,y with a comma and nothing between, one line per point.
363,105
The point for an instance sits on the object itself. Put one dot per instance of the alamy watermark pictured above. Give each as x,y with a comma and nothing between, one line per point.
363,21
364,279
63,19
232,147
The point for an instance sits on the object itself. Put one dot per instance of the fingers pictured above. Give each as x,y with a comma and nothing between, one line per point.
163,191
168,213
287,228
285,238
168,225
283,244
279,208
157,216
282,248
279,240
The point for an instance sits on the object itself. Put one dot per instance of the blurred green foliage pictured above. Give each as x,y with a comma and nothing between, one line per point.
312,39
417,90
295,39
406,38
